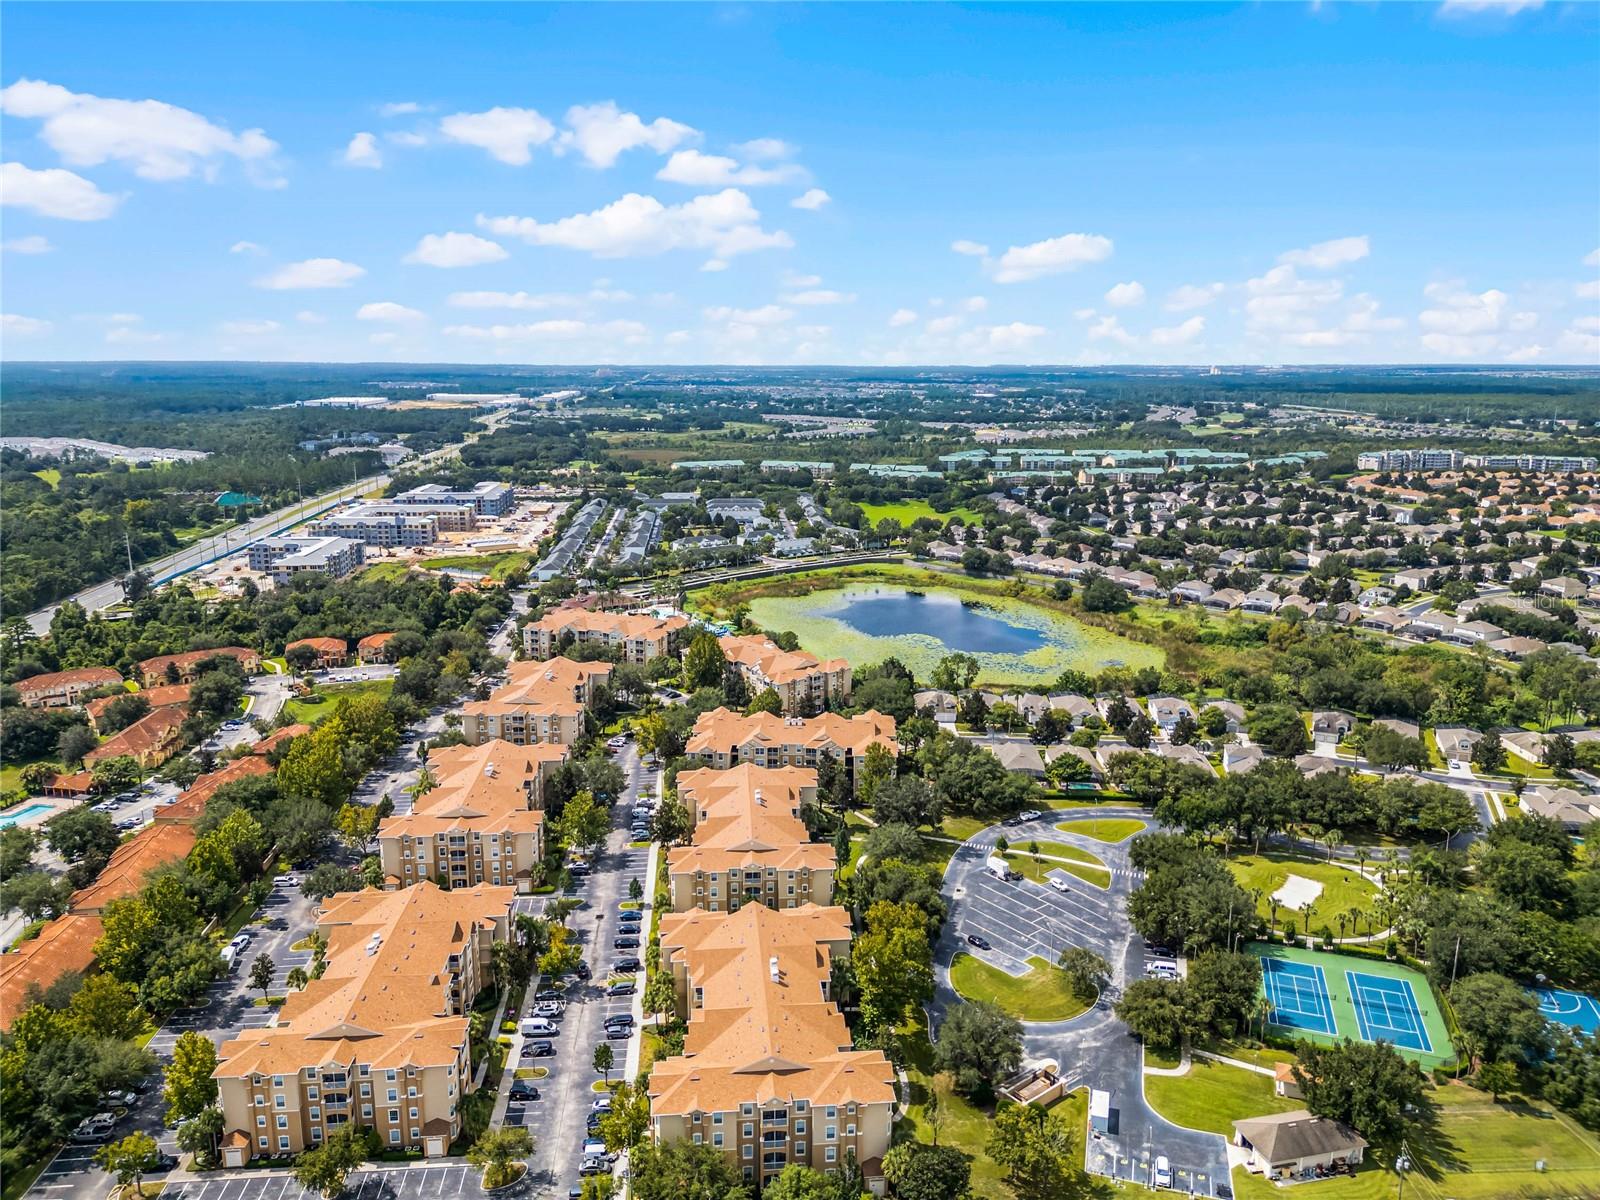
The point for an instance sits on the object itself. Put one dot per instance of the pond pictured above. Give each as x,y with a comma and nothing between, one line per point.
1013,641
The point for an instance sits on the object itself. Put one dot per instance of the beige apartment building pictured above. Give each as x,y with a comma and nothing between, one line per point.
750,845
481,823
58,689
723,738
768,1075
541,702
380,1040
804,683
641,636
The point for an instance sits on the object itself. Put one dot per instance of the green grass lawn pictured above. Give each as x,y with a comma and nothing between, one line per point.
961,828
965,1126
385,572
1213,1096
907,511
1104,829
1043,994
310,712
51,476
1342,890
497,565
1077,862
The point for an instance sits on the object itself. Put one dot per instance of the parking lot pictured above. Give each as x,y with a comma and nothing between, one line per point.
419,1182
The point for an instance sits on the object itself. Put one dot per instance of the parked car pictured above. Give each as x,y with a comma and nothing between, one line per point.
1059,884
94,1129
521,1089
978,940
627,966
619,1019
623,987
595,1148
601,1105
1162,1175
594,1166
616,743
549,1009
625,943
544,994
538,1027
122,1099
619,1033
161,1163
539,1049
630,916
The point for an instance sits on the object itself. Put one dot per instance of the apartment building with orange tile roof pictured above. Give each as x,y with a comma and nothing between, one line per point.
481,823
150,741
191,803
153,671
767,1074
540,702
59,689
374,647
331,651
749,845
724,738
164,695
130,865
63,946
641,636
381,1039
278,737
804,683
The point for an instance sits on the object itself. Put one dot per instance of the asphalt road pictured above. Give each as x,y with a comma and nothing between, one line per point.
1094,1049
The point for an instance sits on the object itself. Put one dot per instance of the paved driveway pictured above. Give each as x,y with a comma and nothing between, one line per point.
1094,1049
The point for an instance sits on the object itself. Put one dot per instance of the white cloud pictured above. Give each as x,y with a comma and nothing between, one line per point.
363,152
388,310
811,199
766,149
312,273
943,325
974,249
158,140
602,132
1587,291
307,317
795,280
508,134
1324,256
714,264
1018,335
818,296
54,193
767,314
1592,259
1508,7
1125,295
974,304
1280,301
249,328
1459,313
16,325
449,250
1190,296
1580,341
536,301
902,317
1587,324
401,109
698,169
1526,354
33,244
246,248
1180,334
1051,257
410,138
1109,329
554,330
725,223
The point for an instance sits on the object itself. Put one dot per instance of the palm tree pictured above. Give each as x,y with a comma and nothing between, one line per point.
1341,918
297,978
496,1152
1331,838
1272,924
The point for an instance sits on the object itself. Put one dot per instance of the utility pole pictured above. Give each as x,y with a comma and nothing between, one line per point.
1402,1164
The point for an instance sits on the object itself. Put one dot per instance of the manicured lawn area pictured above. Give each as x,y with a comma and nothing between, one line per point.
1104,829
385,572
1342,890
961,828
51,476
1517,765
1213,1096
1038,869
907,511
1043,994
965,1126
310,711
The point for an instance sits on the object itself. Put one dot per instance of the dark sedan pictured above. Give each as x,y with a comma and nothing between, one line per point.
978,940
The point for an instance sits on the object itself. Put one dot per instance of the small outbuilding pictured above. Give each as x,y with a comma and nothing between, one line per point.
1293,1144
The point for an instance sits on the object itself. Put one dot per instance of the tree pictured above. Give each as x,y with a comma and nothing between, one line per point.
625,1126
1222,989
1102,595
920,1172
660,996
797,1182
104,1006
1156,1011
498,1154
296,979
906,800
704,663
1279,729
122,712
1185,730
1497,1078
604,1059
325,879
129,1158
583,823
356,825
261,974
17,847
1139,732
189,1088
683,1170
74,743
200,1133
893,963
80,831
314,765
1501,1017
1367,1085
325,1168
1035,1149
1489,753
979,1045
36,894
671,823
1086,970
877,768
767,701
115,774
955,672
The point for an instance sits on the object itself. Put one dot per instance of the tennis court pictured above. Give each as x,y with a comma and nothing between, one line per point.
1572,1009
1298,993
1386,1011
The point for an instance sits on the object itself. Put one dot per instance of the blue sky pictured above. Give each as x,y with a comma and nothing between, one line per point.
1267,183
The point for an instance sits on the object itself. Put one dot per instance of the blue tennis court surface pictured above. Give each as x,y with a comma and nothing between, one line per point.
1298,993
1386,1011
1572,1009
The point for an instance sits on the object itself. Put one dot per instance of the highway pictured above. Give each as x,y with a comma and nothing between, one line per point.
181,562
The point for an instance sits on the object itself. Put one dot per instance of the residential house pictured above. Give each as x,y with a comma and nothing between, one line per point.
1575,810
1166,711
380,1039
1455,745
164,695
1021,757
1291,1144
59,689
1187,755
1231,712
182,668
62,947
1096,773
1329,727
330,651
1192,591
1241,760
1073,707
1262,600
130,865
374,648
1224,599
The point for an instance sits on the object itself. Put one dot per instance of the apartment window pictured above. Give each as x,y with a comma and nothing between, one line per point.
413,1112
283,1121
277,1081
831,1133
850,1110
366,1111
394,1136
394,1095
799,1149
311,1093
716,1118
389,1074
830,1155
261,1122
749,1129
696,1139
716,1140
394,1116
316,1113
366,1089
747,1110
316,1135
283,1143
278,1101
415,1133
364,1070
749,1152
799,1106
265,1142
799,1128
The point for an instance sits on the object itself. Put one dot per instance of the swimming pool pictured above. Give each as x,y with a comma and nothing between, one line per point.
13,816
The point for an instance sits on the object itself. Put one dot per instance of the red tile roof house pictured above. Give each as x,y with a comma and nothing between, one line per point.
150,740
153,671
374,647
331,652
58,689
63,946
162,696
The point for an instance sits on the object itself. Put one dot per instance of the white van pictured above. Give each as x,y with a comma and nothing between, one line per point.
230,954
538,1027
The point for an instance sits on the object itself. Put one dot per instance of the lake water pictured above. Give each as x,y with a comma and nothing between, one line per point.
893,612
